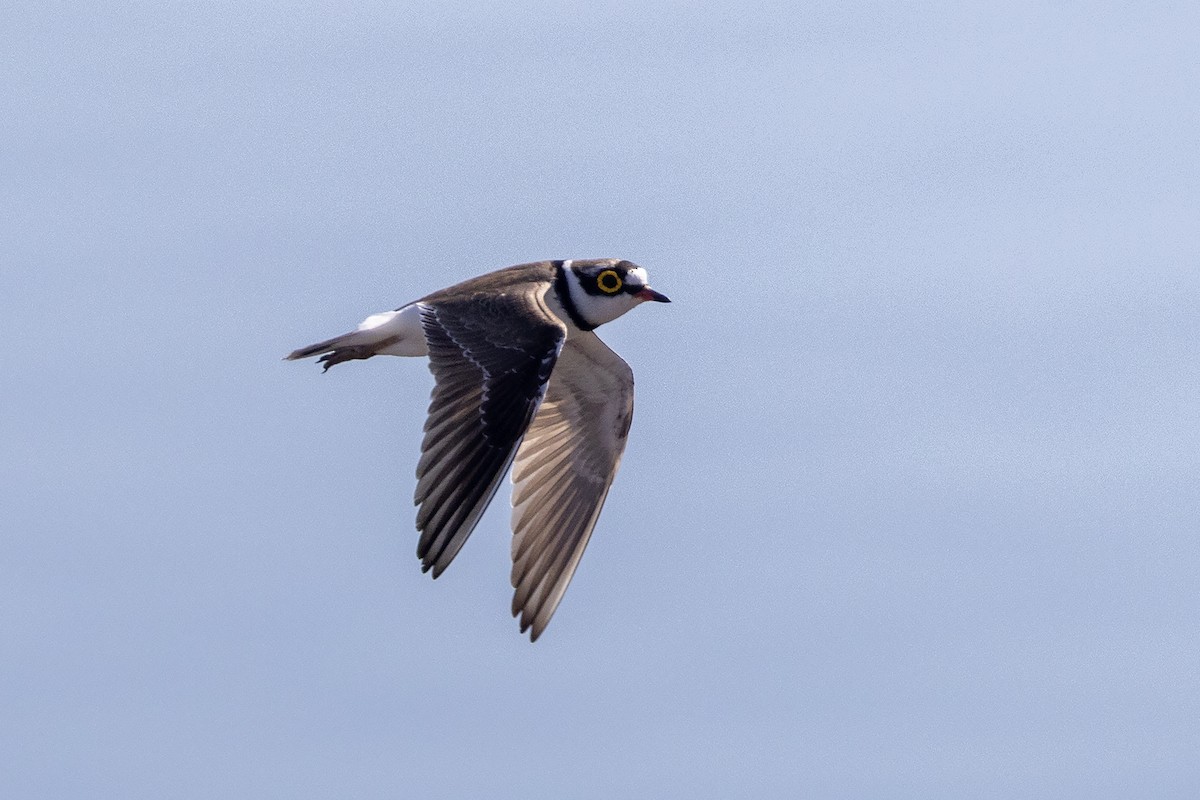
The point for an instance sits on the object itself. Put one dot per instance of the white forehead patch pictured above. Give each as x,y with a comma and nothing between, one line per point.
637,276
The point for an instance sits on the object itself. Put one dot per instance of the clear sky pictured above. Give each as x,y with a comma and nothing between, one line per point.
910,505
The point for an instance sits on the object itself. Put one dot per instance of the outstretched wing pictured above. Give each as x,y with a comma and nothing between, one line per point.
563,471
491,356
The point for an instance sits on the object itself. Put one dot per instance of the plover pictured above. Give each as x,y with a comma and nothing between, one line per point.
519,375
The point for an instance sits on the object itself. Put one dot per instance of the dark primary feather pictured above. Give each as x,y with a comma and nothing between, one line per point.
491,354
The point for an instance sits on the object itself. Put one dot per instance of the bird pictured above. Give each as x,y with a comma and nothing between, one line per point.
521,380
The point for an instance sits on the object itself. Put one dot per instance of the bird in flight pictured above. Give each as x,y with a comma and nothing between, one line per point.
519,374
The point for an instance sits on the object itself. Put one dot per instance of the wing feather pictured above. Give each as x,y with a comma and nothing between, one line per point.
491,356
563,472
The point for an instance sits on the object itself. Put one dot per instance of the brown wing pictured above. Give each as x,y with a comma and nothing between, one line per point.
491,356
563,471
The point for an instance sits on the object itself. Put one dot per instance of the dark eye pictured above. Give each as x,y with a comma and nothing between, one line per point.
609,281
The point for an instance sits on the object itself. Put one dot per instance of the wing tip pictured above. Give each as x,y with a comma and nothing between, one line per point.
535,630
529,621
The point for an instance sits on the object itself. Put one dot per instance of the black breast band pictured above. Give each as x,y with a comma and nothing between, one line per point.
564,296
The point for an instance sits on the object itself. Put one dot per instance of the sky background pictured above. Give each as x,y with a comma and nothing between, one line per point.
910,504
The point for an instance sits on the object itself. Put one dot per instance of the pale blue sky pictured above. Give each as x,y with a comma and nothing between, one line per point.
910,506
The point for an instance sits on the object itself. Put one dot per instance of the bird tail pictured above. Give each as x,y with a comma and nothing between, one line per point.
392,333
347,347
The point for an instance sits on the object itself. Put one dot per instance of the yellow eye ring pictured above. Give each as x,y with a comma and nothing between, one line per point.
609,281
